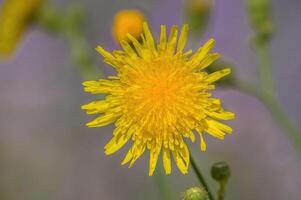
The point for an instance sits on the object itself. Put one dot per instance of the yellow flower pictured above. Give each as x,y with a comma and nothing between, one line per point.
128,21
159,96
15,16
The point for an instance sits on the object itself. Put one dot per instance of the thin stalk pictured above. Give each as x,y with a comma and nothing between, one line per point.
276,111
221,191
165,192
265,67
200,177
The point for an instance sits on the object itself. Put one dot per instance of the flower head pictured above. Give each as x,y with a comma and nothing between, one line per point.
159,97
15,16
128,21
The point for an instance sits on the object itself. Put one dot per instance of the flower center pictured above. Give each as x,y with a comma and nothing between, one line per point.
161,90
156,95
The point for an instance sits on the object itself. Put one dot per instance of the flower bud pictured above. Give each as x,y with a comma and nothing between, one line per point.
260,19
195,193
220,172
197,14
128,21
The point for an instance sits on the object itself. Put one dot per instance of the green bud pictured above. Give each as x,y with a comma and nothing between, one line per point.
197,14
220,172
195,193
259,12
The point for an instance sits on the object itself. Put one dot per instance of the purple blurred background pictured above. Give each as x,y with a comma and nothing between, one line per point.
46,152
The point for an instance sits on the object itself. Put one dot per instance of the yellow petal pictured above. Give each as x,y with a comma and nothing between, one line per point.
154,154
96,107
117,142
215,133
208,60
172,39
162,43
181,157
148,36
191,136
103,120
183,38
201,53
202,143
128,157
101,86
104,53
187,53
184,153
166,161
128,49
217,129
218,125
137,153
217,75
221,115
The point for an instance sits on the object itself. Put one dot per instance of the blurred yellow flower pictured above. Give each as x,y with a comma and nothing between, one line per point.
159,96
15,16
128,21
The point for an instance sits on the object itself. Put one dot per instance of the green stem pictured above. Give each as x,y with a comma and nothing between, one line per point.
221,191
166,194
200,177
276,111
265,67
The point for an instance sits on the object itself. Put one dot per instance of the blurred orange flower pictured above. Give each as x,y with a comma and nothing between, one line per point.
128,21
